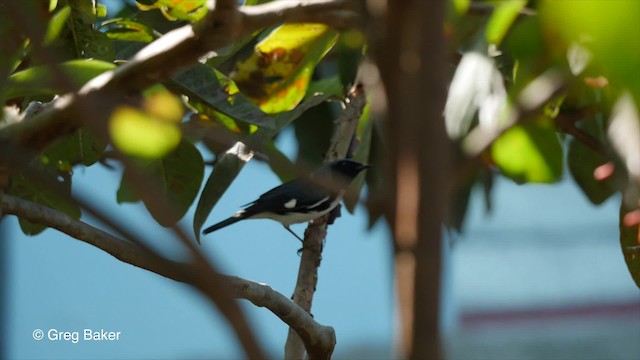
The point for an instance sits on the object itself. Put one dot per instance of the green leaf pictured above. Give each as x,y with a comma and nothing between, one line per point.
38,80
178,177
189,10
128,30
89,42
364,132
81,147
211,87
277,74
28,189
630,243
56,24
609,30
227,167
351,45
529,153
151,133
503,16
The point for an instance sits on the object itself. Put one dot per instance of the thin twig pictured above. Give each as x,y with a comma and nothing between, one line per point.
345,127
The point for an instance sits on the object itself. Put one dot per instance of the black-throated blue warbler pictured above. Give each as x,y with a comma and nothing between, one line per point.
302,199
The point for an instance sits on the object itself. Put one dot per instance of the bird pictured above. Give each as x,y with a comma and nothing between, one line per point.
300,200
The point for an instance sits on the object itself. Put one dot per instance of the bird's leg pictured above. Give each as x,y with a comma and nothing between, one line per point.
294,234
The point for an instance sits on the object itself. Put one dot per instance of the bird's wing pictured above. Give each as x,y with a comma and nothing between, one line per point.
296,195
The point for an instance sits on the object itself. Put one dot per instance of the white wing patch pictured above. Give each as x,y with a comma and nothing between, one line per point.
318,203
291,204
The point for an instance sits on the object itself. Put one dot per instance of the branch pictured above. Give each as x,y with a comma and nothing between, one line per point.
345,127
261,295
160,60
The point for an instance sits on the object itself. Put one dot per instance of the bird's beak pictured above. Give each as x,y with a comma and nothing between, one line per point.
365,166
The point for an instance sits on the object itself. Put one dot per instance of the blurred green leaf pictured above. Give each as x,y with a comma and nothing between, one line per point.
630,243
56,24
178,177
226,169
529,153
503,16
209,86
277,74
609,29
38,80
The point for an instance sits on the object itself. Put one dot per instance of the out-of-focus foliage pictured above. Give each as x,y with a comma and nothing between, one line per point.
545,83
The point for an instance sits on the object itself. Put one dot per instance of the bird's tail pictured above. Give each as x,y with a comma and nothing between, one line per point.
232,220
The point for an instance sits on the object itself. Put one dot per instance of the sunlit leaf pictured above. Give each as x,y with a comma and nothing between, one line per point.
503,16
177,176
128,30
477,88
139,134
224,172
56,24
189,10
609,29
209,86
277,74
529,153
39,80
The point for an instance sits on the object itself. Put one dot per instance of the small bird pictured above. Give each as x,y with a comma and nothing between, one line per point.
302,199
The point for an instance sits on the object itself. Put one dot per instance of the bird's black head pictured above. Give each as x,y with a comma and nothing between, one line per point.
347,167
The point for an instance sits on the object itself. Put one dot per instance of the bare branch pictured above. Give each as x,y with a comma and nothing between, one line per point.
312,333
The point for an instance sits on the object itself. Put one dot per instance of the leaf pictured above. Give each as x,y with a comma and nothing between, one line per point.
477,87
630,243
89,42
56,24
151,133
583,161
624,134
277,74
128,30
178,177
501,19
351,45
610,30
28,189
227,167
38,80
364,132
189,10
529,153
209,86
81,147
